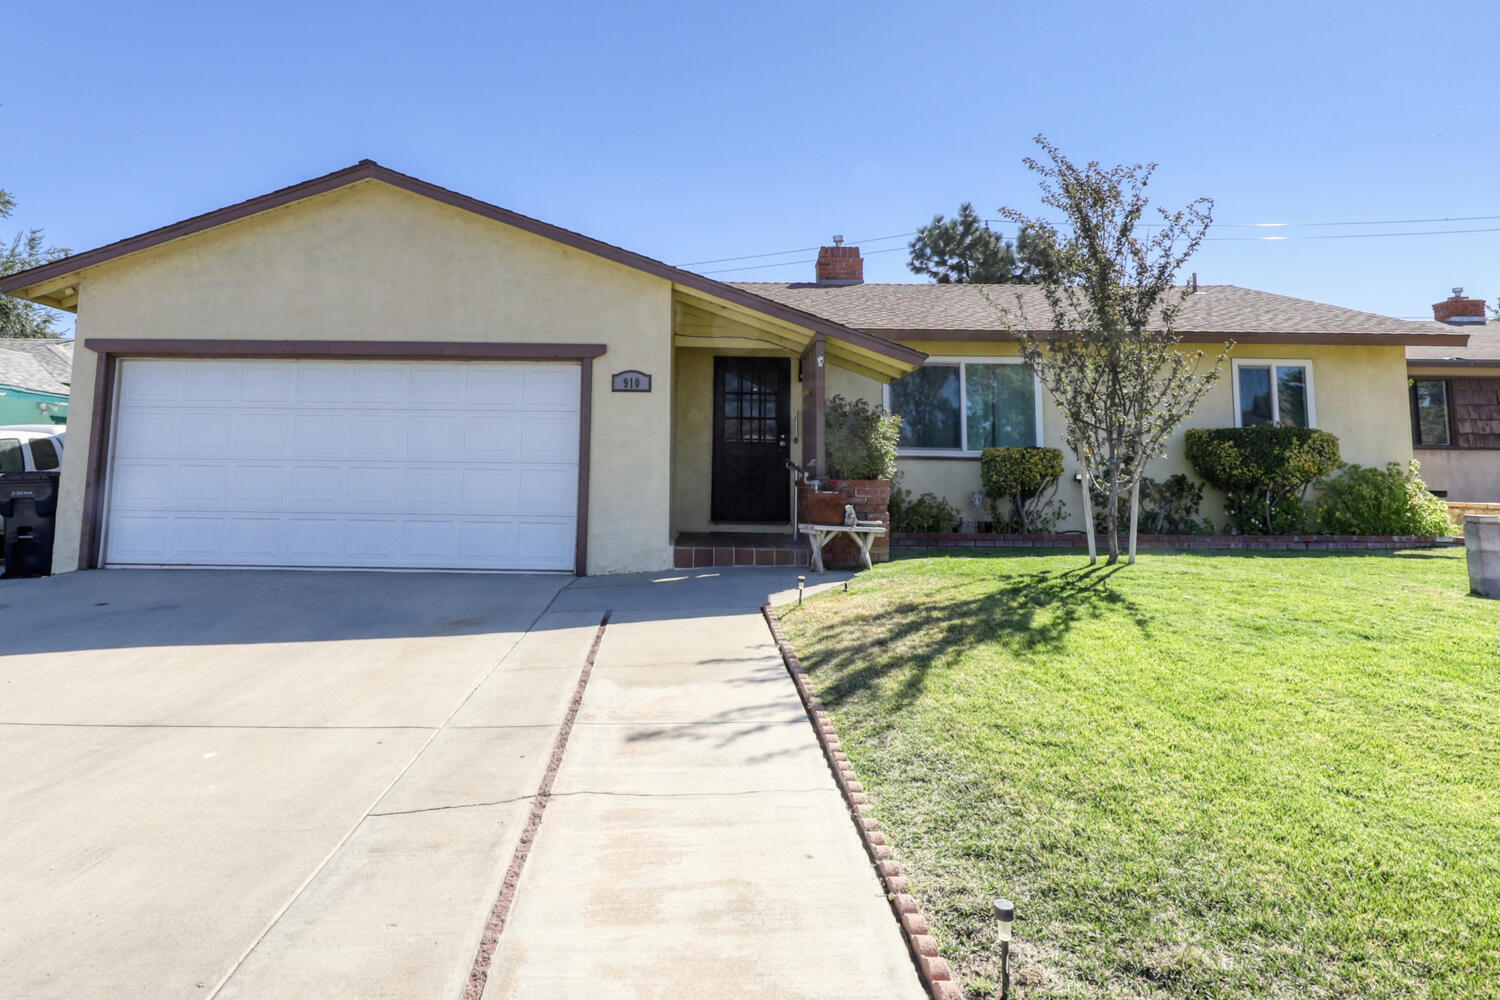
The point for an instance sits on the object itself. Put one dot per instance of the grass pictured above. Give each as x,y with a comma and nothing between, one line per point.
1207,775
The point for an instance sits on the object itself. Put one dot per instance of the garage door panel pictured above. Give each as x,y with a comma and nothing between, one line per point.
377,383
554,388
206,433
265,382
322,384
377,436
340,463
492,387
549,436
210,382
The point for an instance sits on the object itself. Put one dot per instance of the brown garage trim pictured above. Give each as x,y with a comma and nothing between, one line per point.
354,350
109,351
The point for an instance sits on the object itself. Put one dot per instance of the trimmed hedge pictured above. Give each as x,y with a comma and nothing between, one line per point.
860,439
1027,477
927,513
1263,471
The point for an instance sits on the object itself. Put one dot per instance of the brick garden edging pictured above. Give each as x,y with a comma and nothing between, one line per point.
931,967
1285,543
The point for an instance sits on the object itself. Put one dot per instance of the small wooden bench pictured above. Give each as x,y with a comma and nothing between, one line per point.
864,534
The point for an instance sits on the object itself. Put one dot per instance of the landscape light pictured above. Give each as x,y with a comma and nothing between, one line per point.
1005,915
801,582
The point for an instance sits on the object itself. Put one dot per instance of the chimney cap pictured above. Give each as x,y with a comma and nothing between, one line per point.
838,241
1458,292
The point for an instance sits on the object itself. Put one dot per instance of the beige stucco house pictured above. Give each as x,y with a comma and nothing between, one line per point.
367,370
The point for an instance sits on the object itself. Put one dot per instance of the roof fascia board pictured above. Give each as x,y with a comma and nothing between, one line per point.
370,170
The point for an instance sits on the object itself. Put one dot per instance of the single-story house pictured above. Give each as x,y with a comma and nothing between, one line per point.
1455,405
34,377
368,370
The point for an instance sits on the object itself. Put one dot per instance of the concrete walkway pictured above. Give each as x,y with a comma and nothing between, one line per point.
696,844
249,785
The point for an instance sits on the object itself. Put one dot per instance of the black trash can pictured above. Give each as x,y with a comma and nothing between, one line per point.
28,502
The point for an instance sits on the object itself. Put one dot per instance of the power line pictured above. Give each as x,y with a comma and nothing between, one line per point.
1217,239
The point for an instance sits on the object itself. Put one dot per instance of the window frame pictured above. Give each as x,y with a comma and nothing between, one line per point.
1272,363
962,363
1416,424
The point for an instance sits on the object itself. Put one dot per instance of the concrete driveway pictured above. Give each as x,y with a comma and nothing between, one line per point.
260,784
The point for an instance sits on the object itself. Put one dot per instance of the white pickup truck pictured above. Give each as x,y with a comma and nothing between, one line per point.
31,447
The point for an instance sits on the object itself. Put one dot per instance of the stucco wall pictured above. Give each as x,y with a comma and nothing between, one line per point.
372,262
693,443
1359,393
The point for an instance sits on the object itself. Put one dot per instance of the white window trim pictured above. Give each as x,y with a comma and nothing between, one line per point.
963,406
1237,363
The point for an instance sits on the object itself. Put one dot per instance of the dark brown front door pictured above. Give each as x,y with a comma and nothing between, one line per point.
752,421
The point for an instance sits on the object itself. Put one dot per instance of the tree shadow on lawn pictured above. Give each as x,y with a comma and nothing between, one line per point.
1023,615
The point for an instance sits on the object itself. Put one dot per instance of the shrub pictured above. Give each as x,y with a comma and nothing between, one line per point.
1169,507
860,439
1263,471
928,512
1027,478
1388,501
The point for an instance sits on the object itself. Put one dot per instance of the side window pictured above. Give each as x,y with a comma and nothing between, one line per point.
1431,419
1273,393
10,456
44,454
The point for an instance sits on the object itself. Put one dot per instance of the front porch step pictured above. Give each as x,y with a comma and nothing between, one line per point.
723,549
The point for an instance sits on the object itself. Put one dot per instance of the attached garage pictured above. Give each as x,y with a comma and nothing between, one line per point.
344,463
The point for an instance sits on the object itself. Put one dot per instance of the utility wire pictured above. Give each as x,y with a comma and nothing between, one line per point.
1217,239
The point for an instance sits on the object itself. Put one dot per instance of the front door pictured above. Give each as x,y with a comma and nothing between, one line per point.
752,420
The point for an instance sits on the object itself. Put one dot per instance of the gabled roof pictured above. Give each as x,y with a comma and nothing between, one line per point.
54,283
912,312
38,365
1482,351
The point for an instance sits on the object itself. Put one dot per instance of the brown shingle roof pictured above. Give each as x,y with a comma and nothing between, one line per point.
1483,350
927,312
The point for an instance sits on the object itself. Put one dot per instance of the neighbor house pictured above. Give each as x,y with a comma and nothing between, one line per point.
1455,405
368,370
34,376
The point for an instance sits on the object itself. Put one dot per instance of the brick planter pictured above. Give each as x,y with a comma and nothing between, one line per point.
1292,543
872,502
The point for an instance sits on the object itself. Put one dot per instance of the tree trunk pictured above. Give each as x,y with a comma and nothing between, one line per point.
1135,512
1088,520
1112,515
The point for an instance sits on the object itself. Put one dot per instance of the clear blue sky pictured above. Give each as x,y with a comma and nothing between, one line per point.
701,130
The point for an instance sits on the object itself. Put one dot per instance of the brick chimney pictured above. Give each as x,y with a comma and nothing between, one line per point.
840,265
1458,311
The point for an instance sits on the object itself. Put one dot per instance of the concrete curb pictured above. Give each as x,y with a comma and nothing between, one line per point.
935,974
479,973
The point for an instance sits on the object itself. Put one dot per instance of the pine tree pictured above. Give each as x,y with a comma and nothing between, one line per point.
963,250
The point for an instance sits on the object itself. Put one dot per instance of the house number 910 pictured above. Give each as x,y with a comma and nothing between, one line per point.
630,381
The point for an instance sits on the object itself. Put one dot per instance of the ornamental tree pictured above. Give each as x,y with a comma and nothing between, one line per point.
1110,356
19,318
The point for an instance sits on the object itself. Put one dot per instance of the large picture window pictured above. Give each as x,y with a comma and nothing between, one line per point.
965,406
1273,393
1431,413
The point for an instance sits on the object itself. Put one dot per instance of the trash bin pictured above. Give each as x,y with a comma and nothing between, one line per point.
28,502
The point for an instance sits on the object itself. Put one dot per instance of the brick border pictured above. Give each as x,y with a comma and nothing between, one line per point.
479,972
1260,543
932,968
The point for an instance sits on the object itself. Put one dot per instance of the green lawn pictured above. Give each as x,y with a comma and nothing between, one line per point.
1206,775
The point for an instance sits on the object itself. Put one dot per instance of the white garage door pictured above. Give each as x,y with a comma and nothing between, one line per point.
401,464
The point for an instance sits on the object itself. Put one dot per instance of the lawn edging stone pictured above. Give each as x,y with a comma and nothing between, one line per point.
932,968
